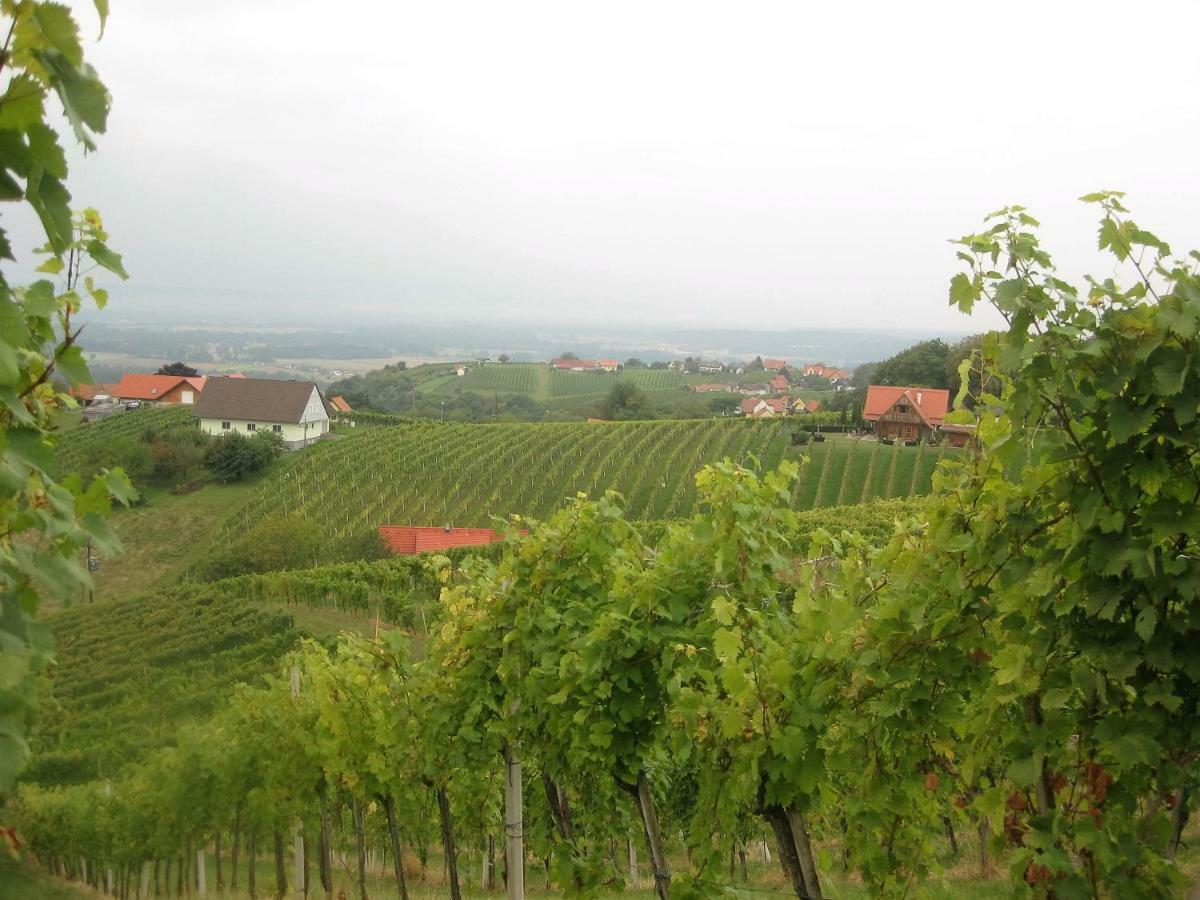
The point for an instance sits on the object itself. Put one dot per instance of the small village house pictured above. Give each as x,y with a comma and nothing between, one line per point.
710,365
774,365
779,383
711,388
958,435
295,410
821,370
585,365
765,407
159,389
340,405
906,413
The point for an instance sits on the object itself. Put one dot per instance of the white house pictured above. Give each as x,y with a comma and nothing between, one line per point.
293,409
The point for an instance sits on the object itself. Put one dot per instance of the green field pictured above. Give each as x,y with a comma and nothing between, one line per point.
465,475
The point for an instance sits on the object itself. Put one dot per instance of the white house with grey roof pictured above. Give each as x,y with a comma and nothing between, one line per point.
293,409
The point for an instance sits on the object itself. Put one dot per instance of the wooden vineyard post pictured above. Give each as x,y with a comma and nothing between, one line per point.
633,870
298,827
201,875
514,826
658,858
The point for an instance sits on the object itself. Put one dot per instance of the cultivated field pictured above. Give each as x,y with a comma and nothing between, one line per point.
427,473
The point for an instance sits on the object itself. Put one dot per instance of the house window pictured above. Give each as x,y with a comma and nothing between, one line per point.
250,426
902,408
277,428
908,432
224,426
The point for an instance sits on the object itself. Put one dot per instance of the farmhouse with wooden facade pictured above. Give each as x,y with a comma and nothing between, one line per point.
295,410
906,413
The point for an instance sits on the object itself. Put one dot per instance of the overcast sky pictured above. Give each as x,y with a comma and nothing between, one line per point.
793,164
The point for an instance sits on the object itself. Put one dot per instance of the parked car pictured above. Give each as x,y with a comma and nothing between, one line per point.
133,404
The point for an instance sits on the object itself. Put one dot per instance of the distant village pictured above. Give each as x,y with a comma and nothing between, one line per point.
301,414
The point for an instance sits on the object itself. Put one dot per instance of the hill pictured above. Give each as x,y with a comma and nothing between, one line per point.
535,392
429,473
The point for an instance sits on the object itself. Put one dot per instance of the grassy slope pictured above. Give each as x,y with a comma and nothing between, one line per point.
161,537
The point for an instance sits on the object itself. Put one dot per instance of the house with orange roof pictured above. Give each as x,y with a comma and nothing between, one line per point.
159,388
774,365
823,371
339,404
906,413
765,407
779,383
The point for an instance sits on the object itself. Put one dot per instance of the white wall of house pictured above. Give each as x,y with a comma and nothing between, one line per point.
292,432
314,422
315,411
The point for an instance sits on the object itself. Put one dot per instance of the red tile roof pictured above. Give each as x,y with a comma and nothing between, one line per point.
152,387
774,364
931,403
340,404
830,372
407,540
778,405
812,406
779,383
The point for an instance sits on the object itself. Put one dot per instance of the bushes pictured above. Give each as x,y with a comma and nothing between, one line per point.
234,456
272,545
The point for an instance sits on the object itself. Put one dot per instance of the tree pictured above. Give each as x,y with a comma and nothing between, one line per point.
921,365
625,401
567,355
634,363
503,357
46,523
274,544
177,368
233,456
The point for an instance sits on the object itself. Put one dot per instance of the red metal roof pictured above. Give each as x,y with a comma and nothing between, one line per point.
407,540
931,403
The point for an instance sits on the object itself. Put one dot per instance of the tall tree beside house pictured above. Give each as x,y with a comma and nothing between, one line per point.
181,369
46,523
921,365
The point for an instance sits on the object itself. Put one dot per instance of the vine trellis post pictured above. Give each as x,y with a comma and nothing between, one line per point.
298,825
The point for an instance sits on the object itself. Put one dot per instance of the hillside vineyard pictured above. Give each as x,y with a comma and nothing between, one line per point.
464,475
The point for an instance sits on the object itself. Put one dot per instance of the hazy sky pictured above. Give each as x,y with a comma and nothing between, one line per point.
792,164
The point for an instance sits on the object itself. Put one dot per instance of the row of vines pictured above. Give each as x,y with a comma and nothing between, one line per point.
465,475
